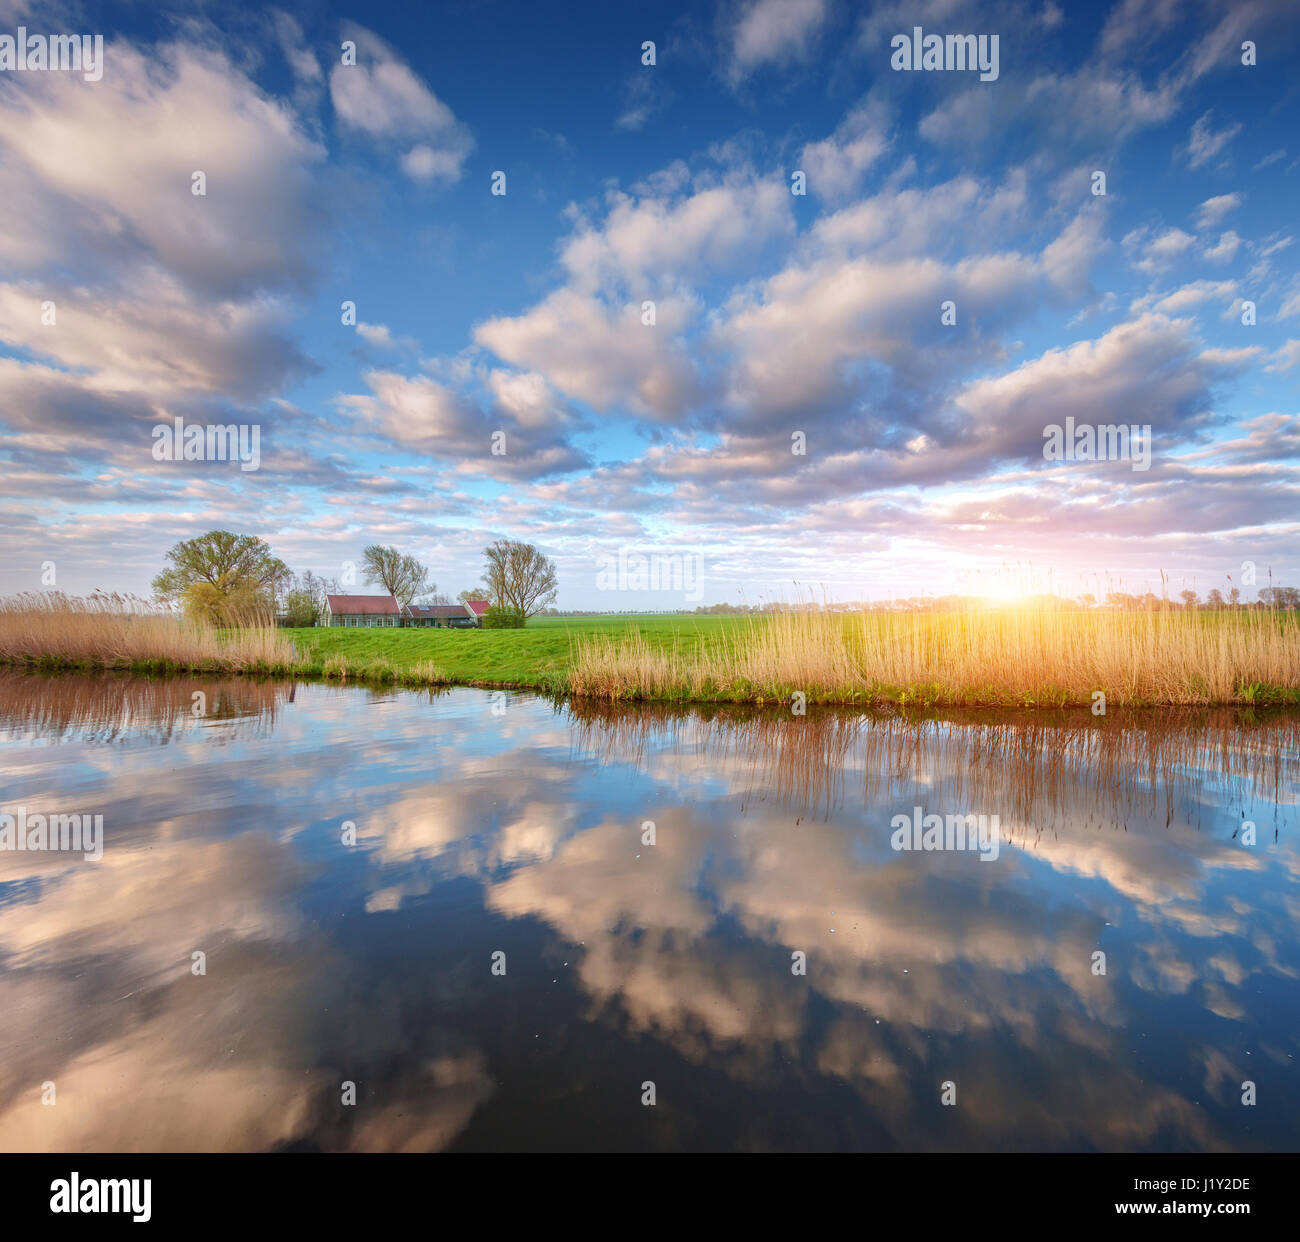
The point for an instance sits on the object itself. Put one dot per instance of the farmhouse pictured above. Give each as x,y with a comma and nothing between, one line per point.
366,610
457,616
376,610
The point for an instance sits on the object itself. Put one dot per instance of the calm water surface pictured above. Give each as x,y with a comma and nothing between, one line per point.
503,824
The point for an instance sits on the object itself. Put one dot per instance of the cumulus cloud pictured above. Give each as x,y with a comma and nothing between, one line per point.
446,425
1149,370
591,338
1225,249
763,32
602,354
835,165
381,97
771,313
1187,297
1153,250
180,301
158,340
107,174
1214,209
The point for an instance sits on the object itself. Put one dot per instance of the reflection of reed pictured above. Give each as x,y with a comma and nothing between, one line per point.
1026,766
101,707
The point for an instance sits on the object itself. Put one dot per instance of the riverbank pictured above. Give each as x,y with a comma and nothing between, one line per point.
1006,657
1003,658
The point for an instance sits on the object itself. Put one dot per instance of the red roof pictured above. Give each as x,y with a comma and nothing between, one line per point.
362,605
437,610
477,606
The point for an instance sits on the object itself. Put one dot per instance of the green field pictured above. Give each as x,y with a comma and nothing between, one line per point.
537,656
1010,657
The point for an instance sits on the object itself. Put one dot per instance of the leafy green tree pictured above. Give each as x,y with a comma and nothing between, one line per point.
299,609
503,618
317,588
222,577
244,603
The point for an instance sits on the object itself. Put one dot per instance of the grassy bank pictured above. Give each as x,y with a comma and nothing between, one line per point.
55,632
997,658
540,656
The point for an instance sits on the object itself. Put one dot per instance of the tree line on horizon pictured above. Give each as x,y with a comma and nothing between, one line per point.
1272,598
223,578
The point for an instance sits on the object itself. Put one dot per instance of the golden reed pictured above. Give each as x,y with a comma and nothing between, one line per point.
51,629
1022,656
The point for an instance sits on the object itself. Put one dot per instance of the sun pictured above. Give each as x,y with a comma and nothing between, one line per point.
1004,587
1002,596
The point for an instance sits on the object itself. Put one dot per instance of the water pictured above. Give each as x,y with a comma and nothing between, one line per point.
504,824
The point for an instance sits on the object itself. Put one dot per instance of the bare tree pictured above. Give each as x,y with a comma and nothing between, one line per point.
402,576
518,576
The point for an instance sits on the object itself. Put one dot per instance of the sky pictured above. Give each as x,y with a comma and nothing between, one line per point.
714,285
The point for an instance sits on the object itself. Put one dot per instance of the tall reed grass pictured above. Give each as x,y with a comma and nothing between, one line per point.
53,630
995,657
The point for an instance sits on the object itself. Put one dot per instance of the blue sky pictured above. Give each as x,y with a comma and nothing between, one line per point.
778,316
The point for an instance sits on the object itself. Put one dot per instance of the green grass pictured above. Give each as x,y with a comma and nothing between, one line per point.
908,664
537,656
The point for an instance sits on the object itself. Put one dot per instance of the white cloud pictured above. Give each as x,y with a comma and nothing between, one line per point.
422,414
1188,296
1286,357
1205,142
600,353
1148,366
1157,250
774,31
835,165
105,174
643,96
1062,110
1214,209
179,302
588,337
1225,249
381,97
655,242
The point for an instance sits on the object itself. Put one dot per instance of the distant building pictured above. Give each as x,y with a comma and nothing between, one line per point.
362,610
377,610
457,616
